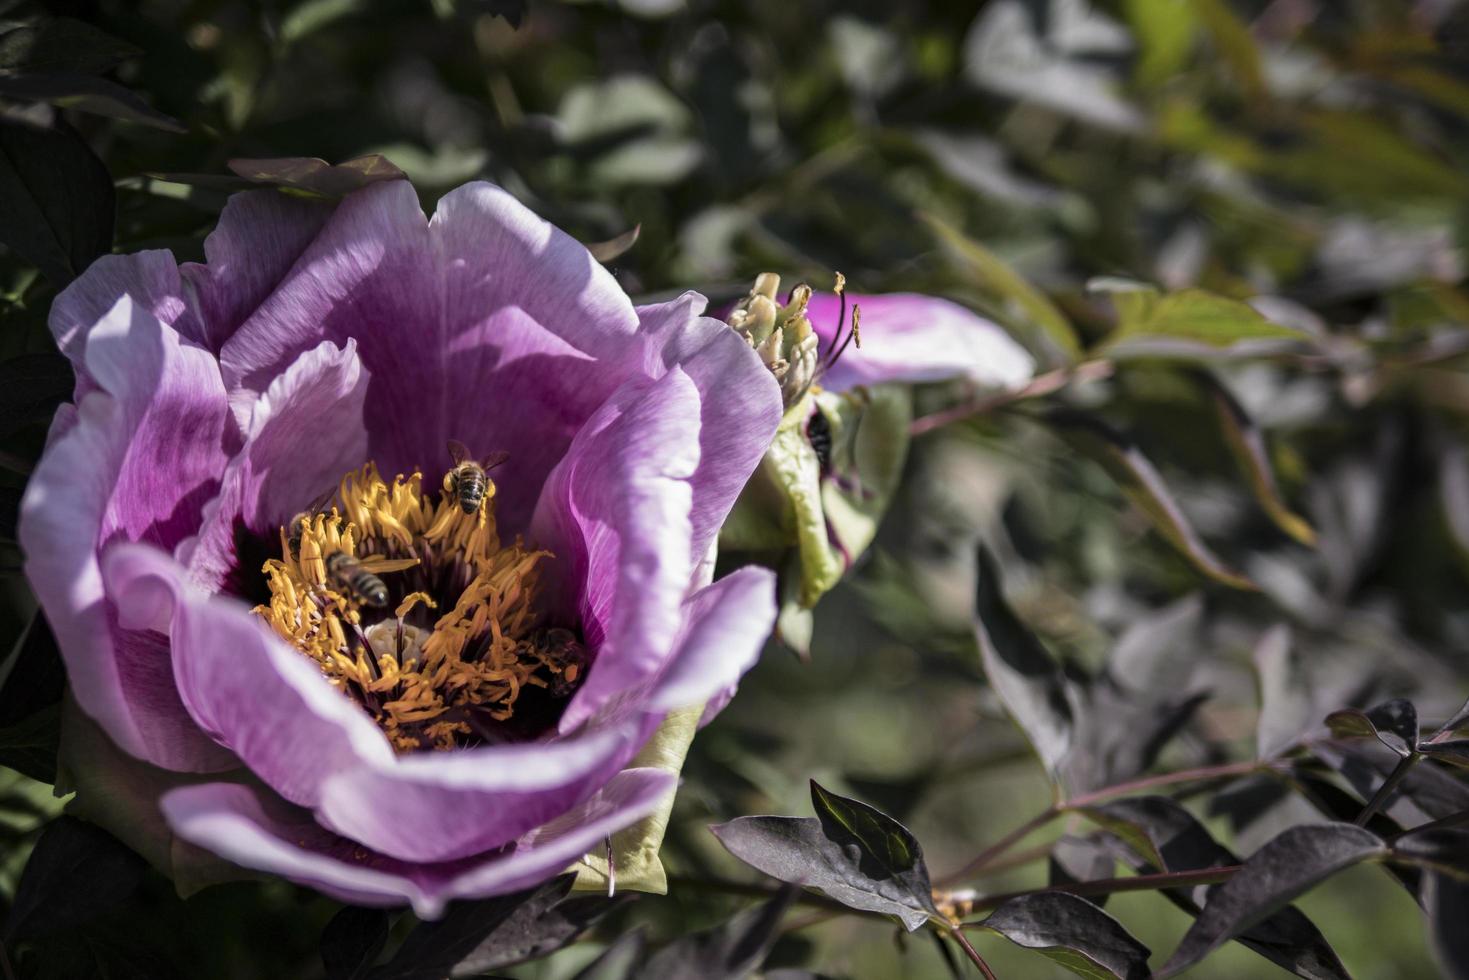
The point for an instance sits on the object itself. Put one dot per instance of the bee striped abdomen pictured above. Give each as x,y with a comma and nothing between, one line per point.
469,487
348,572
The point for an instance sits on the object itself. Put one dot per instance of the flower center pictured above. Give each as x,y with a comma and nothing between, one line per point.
414,608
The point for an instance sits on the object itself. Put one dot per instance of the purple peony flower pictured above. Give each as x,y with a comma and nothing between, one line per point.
347,655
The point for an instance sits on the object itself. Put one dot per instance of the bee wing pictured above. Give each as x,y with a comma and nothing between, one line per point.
494,459
458,452
378,565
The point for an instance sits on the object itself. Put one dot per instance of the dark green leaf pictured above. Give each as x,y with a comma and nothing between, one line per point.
76,872
476,937
1141,483
352,940
1286,867
57,199
62,44
850,852
1074,933
87,93
1028,681
1186,323
30,745
1454,751
727,952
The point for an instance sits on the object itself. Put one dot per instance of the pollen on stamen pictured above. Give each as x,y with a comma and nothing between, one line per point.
446,661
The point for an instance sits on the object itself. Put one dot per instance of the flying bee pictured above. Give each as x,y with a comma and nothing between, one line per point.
467,482
358,577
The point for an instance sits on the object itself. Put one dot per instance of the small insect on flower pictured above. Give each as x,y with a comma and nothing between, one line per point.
297,527
466,482
348,572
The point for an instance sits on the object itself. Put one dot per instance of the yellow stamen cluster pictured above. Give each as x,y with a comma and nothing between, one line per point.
427,681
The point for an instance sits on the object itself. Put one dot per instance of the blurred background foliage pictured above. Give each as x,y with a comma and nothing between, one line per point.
1307,155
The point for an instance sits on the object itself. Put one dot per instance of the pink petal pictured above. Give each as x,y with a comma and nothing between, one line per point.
236,823
135,463
910,338
616,513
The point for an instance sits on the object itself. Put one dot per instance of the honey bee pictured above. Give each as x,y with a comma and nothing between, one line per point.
298,523
352,575
466,482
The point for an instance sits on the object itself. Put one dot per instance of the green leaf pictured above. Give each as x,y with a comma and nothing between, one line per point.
1247,445
1187,323
87,93
1044,328
62,44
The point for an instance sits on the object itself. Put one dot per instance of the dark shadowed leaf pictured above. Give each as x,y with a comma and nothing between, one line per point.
1024,675
87,93
1444,850
31,387
849,852
1425,793
316,176
29,746
352,940
619,961
1285,693
1454,751
1459,719
1446,901
475,937
1247,445
1141,483
76,872
1073,932
1286,867
1076,859
1286,938
614,248
726,952
1394,723
57,199
62,44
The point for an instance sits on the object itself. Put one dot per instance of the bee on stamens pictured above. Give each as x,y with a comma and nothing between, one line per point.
467,482
348,572
565,656
297,527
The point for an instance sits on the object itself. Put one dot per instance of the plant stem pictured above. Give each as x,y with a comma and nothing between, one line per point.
1109,886
1166,779
1043,384
972,953
1002,845
1388,785
986,856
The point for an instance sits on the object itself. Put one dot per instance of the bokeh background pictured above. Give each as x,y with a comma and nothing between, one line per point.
1309,151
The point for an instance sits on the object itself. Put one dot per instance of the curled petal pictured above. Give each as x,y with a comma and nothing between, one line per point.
908,337
616,513
135,463
239,824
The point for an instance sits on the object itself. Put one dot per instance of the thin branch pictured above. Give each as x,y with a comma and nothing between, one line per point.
1043,384
972,953
1109,886
1223,771
1002,845
1388,785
